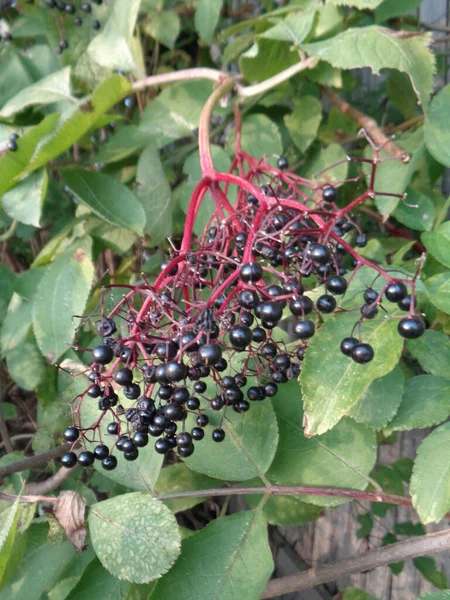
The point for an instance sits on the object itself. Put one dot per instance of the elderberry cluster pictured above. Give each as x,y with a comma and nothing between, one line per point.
78,11
229,319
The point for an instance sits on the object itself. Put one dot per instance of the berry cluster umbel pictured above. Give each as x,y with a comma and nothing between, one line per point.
228,320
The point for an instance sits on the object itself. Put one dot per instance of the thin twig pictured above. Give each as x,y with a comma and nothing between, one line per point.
50,484
18,438
367,123
431,543
34,461
27,498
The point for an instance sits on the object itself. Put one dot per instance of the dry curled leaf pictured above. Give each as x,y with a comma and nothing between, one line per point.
69,510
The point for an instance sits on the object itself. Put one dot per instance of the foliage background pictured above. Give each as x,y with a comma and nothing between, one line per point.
106,175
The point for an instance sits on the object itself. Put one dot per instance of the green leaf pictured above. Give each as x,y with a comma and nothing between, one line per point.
408,528
356,594
379,403
321,159
8,520
24,201
113,47
62,293
164,27
438,289
328,399
427,566
40,568
426,402
366,523
437,127
403,466
127,141
391,482
14,76
361,4
13,164
97,583
107,198
430,481
341,457
229,559
285,511
394,8
139,475
178,478
444,595
247,450
206,18
380,48
303,123
175,113
294,28
53,88
437,242
155,195
135,536
432,350
260,136
26,364
419,215
6,289
74,123
401,93
267,58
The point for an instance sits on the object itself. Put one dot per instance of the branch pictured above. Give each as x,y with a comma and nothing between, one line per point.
50,484
33,461
367,123
431,543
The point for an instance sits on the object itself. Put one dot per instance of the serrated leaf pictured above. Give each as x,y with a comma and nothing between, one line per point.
107,198
437,242
164,27
432,350
140,474
380,48
179,478
437,127
53,88
26,364
155,195
430,481
260,136
13,164
113,47
425,402
294,28
228,550
247,450
62,293
8,520
267,58
135,536
175,113
420,216
41,567
206,18
341,457
394,8
7,281
74,123
24,201
378,405
97,583
438,290
328,399
303,123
